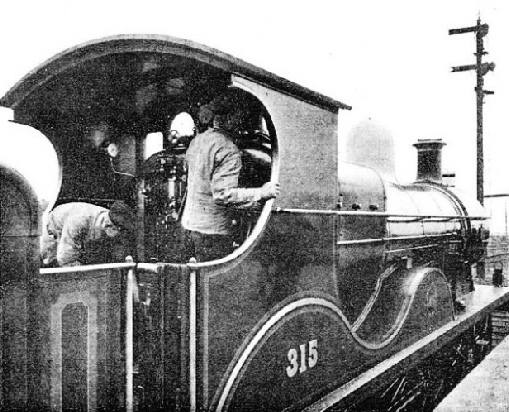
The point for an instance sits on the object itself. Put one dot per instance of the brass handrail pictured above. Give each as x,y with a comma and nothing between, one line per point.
375,214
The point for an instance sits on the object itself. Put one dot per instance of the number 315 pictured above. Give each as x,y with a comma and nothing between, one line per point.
302,363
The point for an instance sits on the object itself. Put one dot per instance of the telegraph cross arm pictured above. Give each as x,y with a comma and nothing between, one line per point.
480,29
484,68
463,68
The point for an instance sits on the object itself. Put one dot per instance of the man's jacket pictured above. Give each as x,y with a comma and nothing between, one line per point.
214,164
79,229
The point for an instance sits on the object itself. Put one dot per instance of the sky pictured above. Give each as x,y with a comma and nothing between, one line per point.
390,60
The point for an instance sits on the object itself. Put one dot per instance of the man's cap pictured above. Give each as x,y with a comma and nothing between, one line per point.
231,100
221,105
122,216
206,114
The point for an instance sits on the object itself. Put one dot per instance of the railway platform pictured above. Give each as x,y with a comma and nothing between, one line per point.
483,302
485,388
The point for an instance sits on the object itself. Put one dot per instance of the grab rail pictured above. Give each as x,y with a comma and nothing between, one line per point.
376,214
87,268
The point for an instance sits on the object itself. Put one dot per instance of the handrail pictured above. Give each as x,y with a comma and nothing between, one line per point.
129,338
391,239
497,256
86,268
374,214
428,219
496,195
193,316
150,267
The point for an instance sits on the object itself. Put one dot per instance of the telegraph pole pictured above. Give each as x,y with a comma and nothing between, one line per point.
481,69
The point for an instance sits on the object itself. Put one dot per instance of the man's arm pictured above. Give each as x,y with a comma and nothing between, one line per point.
225,182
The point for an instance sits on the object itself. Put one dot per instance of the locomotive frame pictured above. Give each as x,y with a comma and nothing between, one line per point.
333,277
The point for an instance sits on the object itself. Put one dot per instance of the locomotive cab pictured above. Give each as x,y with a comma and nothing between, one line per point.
114,140
136,86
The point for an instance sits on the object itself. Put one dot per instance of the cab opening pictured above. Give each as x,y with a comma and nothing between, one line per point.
109,116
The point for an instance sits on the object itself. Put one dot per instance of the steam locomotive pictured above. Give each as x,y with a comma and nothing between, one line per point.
344,269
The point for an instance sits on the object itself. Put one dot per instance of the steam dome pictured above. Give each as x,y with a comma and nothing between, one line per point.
370,144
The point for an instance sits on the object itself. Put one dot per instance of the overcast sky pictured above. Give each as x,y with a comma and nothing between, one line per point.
390,60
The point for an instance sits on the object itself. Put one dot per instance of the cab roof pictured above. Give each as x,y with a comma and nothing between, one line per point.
158,45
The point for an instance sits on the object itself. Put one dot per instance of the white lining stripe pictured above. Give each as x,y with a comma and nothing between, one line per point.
261,333
91,304
308,301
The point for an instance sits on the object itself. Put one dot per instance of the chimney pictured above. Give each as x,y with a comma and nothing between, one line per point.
429,160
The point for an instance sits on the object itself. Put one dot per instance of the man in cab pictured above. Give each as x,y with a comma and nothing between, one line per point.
214,163
81,233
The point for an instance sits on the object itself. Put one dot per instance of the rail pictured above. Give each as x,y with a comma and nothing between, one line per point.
489,378
497,256
497,195
131,289
86,268
414,217
390,239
